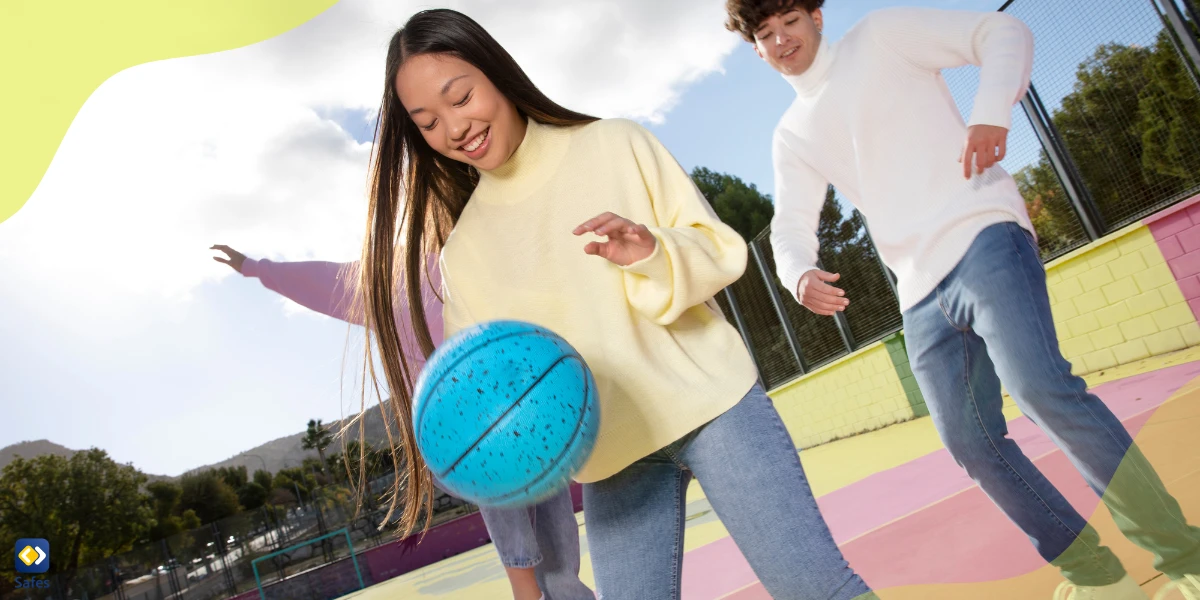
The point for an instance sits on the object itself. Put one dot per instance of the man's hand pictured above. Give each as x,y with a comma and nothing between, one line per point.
815,293
985,146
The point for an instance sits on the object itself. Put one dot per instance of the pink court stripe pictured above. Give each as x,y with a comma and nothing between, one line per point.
966,538
719,569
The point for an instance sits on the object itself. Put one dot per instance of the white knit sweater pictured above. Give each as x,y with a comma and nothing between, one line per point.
874,117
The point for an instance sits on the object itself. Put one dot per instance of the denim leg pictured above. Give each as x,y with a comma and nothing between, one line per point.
962,392
635,524
751,473
1005,285
513,535
557,533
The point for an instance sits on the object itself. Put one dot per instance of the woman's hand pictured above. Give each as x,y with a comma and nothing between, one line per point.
234,260
628,242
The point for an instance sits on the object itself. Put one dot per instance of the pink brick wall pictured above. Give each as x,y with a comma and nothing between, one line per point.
1177,231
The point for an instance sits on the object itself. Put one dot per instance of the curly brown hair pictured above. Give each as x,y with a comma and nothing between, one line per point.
746,15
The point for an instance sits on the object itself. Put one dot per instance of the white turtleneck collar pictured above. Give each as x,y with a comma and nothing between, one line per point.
811,81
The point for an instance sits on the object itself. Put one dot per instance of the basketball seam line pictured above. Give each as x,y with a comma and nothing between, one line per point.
574,438
499,418
418,420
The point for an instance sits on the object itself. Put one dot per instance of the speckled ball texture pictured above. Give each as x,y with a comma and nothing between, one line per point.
505,413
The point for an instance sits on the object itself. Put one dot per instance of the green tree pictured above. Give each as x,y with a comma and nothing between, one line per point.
208,495
279,496
88,505
164,497
263,478
1053,217
293,480
235,477
317,437
1169,116
169,520
371,464
379,462
738,204
252,495
334,463
311,465
836,232
1132,126
288,483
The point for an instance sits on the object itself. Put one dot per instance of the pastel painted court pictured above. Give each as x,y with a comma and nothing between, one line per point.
907,517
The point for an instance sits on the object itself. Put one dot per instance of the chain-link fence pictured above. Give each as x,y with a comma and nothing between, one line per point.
217,560
1109,133
1120,95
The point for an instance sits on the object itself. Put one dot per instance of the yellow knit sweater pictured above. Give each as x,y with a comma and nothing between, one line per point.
664,358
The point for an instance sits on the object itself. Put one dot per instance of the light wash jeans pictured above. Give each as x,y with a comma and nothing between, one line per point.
750,471
989,321
545,537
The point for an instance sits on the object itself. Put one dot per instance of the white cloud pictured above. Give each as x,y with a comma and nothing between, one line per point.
170,157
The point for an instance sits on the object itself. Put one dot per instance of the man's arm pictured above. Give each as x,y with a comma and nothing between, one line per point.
799,196
933,39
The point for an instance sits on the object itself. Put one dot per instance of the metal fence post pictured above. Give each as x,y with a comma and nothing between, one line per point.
172,582
1081,201
740,321
780,310
117,583
1183,35
223,550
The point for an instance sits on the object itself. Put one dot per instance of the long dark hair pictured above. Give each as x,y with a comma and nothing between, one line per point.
416,197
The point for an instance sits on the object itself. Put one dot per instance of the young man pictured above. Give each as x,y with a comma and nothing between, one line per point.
874,118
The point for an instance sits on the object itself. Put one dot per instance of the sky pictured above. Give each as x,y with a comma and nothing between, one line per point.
121,332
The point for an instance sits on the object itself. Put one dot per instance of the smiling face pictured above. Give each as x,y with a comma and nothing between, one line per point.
459,111
788,41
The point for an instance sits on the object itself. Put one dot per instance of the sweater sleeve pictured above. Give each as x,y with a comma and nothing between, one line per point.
996,42
328,288
799,196
324,287
696,255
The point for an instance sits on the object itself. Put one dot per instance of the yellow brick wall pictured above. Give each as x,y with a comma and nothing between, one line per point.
1115,302
858,393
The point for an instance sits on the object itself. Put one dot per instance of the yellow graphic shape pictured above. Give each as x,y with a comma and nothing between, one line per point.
55,54
28,555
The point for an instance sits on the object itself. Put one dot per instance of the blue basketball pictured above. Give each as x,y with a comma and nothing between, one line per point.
505,413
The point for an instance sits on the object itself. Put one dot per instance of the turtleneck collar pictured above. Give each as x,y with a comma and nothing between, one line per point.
811,81
531,164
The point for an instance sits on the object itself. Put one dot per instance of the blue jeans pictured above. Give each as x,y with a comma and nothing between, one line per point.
751,473
545,537
989,321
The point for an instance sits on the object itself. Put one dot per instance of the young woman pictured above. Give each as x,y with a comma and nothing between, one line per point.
589,228
539,546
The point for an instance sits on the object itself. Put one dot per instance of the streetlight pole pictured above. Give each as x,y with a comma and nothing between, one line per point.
264,463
